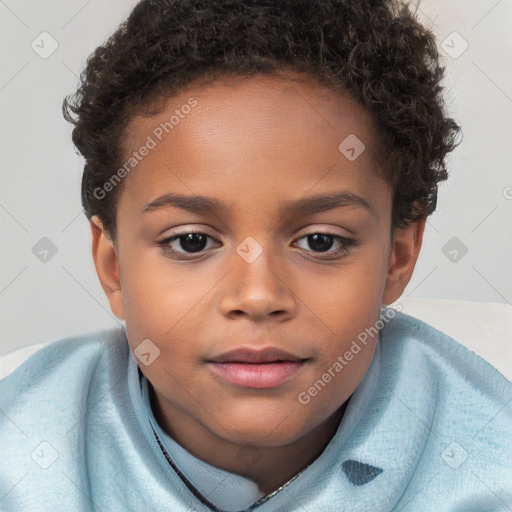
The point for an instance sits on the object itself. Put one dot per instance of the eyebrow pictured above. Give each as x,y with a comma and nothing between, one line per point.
305,206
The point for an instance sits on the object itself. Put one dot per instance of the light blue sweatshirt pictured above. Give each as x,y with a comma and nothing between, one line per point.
429,428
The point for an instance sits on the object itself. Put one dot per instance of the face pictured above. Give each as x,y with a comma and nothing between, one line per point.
261,261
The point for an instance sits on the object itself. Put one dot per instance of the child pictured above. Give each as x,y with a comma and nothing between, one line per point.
257,177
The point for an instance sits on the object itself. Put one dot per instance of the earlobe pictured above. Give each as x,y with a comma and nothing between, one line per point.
404,254
107,266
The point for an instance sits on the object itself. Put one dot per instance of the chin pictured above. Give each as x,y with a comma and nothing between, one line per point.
255,430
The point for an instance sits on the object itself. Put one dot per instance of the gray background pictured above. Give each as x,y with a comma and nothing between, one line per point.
40,172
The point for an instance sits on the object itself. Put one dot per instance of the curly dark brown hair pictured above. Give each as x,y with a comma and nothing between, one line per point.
375,49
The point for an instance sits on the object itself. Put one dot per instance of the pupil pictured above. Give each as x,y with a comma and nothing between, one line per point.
196,242
190,242
320,242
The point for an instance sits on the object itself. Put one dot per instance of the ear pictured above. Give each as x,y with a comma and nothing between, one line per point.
405,249
107,266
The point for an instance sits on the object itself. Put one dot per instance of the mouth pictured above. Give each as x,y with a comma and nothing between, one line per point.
247,367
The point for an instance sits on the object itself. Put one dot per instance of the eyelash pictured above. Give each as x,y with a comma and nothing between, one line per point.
346,244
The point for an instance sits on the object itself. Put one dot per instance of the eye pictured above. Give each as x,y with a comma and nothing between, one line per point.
191,242
322,243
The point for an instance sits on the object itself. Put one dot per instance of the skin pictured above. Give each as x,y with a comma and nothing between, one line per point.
254,143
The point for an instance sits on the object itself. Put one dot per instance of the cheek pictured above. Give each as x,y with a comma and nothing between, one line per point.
347,309
156,294
164,299
168,307
352,293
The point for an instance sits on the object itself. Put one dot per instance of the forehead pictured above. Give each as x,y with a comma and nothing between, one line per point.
295,99
265,134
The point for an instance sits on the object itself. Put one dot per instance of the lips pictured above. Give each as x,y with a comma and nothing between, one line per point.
264,368
249,355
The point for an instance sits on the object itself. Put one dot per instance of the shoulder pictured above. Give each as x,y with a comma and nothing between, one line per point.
408,335
64,367
465,404
434,418
67,421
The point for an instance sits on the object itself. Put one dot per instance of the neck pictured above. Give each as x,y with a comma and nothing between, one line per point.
270,467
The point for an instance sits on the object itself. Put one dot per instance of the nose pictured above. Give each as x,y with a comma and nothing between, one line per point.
257,290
